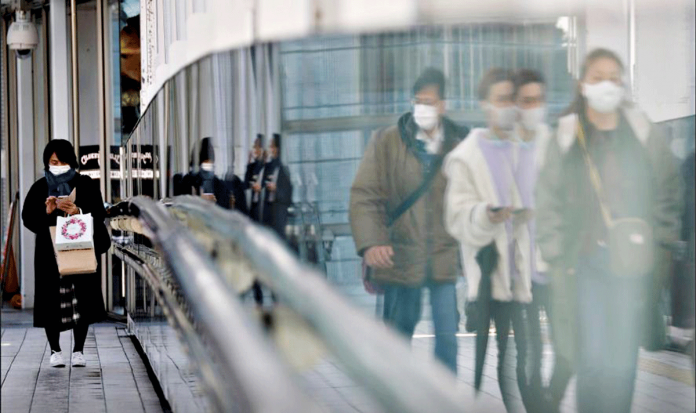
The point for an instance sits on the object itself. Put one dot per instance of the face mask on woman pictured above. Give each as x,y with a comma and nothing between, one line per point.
532,118
503,118
208,166
58,169
426,116
604,97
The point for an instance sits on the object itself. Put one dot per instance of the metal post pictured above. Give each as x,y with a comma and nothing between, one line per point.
27,170
103,143
75,79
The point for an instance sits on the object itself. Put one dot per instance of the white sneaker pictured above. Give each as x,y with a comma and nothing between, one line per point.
57,359
78,359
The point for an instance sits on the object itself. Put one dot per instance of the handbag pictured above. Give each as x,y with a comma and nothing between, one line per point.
73,245
630,240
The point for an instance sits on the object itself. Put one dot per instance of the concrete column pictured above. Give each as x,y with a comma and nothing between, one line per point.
61,119
27,172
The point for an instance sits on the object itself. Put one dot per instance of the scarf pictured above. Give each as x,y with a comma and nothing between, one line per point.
59,185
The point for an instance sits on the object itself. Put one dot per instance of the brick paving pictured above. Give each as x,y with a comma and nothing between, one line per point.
114,380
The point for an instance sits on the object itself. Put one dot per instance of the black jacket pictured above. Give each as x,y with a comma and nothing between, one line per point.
275,212
87,286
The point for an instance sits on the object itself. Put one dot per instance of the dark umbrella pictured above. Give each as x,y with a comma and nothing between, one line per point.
487,259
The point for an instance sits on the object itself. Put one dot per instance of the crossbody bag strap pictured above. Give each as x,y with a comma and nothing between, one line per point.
415,195
595,178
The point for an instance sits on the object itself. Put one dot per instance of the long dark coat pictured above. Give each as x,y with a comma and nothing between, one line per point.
90,302
275,213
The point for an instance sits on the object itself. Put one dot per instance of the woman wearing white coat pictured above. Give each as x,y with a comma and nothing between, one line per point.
488,201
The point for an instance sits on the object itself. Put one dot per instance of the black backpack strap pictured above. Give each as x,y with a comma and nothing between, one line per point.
415,195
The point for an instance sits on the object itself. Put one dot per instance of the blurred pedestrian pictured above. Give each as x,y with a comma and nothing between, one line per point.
533,134
489,206
202,180
396,208
253,179
608,199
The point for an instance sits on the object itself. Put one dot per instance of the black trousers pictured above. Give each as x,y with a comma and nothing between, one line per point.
508,315
79,332
562,371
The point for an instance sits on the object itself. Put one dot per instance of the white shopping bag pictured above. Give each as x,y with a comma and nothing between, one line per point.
74,232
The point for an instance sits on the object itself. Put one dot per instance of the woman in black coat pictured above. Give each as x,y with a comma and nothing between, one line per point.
41,209
277,196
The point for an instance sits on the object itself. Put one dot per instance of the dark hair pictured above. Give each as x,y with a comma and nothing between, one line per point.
490,78
578,104
63,150
206,151
260,138
524,77
430,77
276,141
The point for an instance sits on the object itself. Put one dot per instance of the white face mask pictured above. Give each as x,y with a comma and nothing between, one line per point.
532,118
58,169
503,118
604,97
208,166
426,116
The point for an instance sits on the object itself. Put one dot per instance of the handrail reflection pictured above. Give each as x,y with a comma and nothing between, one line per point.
254,378
372,354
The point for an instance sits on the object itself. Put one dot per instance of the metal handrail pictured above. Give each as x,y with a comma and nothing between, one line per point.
254,379
372,354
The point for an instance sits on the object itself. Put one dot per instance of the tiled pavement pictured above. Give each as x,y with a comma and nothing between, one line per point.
114,380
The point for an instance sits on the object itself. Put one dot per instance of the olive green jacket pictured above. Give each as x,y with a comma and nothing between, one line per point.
566,204
388,173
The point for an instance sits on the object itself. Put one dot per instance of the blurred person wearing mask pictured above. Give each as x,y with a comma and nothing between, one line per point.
275,197
68,302
607,162
396,207
204,182
277,190
534,134
253,178
488,209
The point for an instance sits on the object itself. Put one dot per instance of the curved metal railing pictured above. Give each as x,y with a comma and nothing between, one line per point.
373,355
232,381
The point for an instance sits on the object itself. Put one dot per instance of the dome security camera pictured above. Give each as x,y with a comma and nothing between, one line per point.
22,36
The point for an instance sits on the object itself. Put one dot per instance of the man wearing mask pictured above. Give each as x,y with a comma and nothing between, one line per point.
533,135
488,206
396,209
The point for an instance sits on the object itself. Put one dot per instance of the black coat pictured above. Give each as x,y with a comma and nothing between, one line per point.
236,188
275,213
192,184
254,169
88,292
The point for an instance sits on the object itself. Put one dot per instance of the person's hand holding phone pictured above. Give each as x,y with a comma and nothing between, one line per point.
50,205
66,205
498,215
